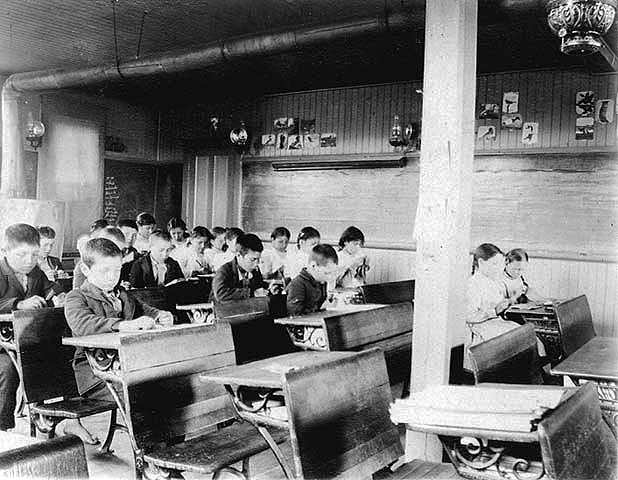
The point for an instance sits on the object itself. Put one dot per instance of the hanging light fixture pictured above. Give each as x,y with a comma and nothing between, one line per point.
34,132
580,24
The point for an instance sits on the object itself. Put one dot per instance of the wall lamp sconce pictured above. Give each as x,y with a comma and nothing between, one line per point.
406,139
34,132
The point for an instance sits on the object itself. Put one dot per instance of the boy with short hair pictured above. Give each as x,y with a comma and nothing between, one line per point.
217,245
307,291
273,260
97,226
191,256
50,266
101,306
240,278
231,237
23,286
146,224
156,268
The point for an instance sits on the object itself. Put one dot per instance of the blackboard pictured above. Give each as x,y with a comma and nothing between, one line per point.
130,188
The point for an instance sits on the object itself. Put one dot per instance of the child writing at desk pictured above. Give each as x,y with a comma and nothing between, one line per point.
191,257
298,258
23,286
307,292
101,306
231,237
353,263
50,266
273,260
156,268
146,224
516,285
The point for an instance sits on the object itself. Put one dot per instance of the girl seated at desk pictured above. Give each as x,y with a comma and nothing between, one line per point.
516,285
353,263
486,298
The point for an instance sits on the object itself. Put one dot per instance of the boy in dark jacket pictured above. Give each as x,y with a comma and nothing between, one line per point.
307,291
23,286
156,268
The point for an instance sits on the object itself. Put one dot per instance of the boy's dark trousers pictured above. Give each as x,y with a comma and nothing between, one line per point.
9,381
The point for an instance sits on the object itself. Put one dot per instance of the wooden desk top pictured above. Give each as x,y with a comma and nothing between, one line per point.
6,317
113,340
531,308
595,360
316,319
269,372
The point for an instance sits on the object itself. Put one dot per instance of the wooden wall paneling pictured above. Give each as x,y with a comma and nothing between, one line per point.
204,179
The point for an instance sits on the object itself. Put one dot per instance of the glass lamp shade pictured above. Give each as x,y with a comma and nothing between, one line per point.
239,136
396,137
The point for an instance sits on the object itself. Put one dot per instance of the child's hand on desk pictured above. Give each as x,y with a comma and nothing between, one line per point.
58,300
165,318
140,323
261,292
32,302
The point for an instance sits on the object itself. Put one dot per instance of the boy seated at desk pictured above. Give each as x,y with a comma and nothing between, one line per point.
101,306
273,260
23,286
307,292
156,268
50,266
240,278
128,228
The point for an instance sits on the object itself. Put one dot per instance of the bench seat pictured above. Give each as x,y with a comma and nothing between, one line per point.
208,453
73,408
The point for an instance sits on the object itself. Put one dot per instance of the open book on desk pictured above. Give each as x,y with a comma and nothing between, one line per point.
510,409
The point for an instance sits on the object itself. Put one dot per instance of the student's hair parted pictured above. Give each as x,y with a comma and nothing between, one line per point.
21,233
322,253
280,232
176,223
249,241
516,255
112,233
99,247
160,235
351,234
306,233
232,233
46,231
127,222
144,218
218,231
201,232
484,252
99,224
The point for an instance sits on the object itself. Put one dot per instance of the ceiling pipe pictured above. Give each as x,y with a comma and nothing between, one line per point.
212,54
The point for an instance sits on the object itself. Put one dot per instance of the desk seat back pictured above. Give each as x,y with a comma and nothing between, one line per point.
575,323
338,417
45,363
389,292
236,308
169,407
576,443
155,297
511,357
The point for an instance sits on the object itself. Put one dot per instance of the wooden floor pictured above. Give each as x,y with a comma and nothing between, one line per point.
119,465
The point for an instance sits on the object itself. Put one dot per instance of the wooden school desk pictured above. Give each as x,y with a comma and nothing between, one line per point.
597,361
330,399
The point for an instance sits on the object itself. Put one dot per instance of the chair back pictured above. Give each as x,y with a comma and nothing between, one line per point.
576,442
155,297
511,357
575,323
62,457
45,363
390,292
167,400
338,417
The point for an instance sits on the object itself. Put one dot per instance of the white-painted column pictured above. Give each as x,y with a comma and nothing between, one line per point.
443,218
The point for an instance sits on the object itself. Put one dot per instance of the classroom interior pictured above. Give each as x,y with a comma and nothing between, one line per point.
432,126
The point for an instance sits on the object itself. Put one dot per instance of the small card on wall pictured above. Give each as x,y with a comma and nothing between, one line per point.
510,102
487,132
530,133
282,123
511,121
269,140
282,140
311,140
604,111
307,125
328,140
489,110
584,103
584,128
295,142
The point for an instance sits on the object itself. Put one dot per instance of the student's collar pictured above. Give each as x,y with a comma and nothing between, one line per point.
306,274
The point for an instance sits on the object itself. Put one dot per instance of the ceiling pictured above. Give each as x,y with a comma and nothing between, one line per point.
46,34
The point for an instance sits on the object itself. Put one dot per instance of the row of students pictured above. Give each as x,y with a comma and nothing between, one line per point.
497,282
